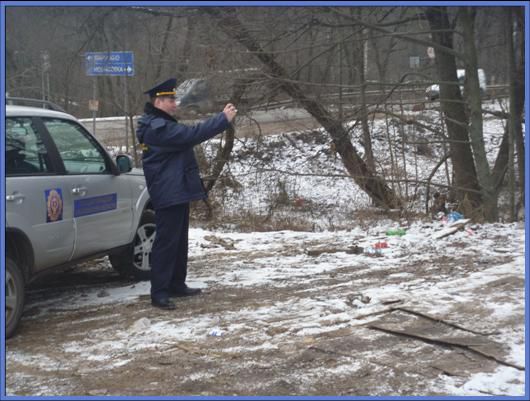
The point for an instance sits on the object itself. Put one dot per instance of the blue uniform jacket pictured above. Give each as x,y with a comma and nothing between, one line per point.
170,168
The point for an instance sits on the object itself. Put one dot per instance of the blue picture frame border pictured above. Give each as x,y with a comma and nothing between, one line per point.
6,4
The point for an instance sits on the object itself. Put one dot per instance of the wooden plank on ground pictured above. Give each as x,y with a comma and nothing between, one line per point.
477,344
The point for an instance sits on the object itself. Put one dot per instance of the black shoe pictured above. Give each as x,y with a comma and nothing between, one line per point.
184,292
164,303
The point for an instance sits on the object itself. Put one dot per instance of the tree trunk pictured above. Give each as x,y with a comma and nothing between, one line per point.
514,118
501,162
184,57
223,154
163,50
519,99
373,185
476,134
452,105
367,140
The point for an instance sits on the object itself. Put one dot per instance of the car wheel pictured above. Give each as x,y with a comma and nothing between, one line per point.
135,260
15,295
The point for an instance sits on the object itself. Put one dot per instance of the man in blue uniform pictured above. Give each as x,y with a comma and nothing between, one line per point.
173,181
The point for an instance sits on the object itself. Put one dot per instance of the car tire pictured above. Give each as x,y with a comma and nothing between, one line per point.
15,296
135,260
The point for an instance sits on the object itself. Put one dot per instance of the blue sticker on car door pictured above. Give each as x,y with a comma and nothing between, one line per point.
95,204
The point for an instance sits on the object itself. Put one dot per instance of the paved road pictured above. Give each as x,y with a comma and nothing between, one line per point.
111,130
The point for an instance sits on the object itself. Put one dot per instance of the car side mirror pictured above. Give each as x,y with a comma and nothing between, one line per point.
124,163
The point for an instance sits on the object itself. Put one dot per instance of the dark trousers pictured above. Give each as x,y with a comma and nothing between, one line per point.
169,255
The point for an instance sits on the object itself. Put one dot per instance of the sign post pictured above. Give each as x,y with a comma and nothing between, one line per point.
110,64
95,106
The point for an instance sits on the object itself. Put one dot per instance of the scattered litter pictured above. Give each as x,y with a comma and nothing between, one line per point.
216,332
141,324
227,243
356,249
451,228
440,216
396,231
352,300
365,299
445,232
381,245
459,223
370,251
454,216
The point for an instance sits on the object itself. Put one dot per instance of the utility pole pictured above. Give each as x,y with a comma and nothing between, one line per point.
126,112
341,114
94,106
45,56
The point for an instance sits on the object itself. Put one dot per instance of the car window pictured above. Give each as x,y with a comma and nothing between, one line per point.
25,152
202,86
184,87
79,152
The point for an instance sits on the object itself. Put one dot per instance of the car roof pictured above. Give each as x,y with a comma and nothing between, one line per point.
23,111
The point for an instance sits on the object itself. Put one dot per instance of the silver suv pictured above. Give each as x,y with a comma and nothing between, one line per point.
67,201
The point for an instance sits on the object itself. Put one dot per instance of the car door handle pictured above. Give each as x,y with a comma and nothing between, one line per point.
16,197
79,191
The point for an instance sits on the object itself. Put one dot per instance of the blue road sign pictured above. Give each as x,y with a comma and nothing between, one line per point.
109,63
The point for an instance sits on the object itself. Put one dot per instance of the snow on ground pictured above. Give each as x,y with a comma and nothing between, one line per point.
286,261
299,168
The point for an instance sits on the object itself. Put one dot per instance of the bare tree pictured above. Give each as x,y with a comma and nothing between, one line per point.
315,56
475,127
373,185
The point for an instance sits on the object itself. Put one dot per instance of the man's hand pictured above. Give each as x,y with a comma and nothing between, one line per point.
230,112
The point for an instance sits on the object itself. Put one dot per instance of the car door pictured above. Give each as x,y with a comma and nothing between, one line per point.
102,200
37,201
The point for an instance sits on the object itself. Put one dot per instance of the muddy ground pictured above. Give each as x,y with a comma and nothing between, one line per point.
323,319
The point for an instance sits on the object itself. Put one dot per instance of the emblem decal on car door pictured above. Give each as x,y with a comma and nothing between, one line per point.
54,205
